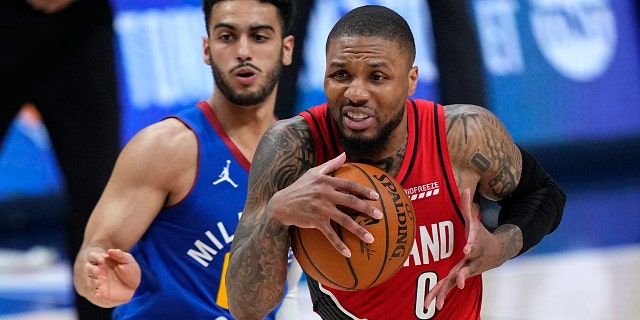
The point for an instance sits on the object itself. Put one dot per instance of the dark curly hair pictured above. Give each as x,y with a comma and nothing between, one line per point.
286,12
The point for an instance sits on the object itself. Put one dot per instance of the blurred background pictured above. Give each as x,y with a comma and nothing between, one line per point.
563,75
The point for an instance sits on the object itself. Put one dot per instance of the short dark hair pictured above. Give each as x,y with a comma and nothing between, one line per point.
375,21
286,12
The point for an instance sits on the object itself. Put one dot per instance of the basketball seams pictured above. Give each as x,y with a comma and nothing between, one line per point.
386,221
354,274
373,263
311,261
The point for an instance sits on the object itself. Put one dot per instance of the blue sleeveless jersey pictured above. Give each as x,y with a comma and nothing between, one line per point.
185,252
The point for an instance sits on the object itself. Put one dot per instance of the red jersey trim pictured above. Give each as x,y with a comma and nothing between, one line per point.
445,159
413,131
325,149
217,126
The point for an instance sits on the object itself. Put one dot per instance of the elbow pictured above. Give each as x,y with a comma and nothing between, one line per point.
251,301
246,308
238,313
245,300
560,199
537,213
242,311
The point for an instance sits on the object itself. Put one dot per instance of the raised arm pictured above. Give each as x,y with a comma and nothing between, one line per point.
286,189
146,176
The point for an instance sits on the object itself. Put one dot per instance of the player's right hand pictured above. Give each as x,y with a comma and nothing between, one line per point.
114,276
312,200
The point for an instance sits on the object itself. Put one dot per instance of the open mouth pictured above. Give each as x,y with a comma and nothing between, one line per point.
356,116
245,74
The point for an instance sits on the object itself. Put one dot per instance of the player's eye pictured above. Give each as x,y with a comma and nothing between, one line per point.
260,38
340,75
378,77
226,37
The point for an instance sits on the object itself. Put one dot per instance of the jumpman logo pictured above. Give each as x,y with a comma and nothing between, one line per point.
224,176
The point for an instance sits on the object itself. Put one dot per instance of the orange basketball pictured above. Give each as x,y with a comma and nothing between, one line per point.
370,263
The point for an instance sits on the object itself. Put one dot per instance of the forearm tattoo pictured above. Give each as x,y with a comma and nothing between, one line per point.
260,248
514,243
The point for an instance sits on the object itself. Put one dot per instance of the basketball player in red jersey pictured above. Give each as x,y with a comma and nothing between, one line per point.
446,158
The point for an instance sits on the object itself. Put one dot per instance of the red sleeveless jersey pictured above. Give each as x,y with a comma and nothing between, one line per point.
428,179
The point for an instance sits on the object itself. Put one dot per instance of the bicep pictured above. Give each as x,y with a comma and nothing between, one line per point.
483,151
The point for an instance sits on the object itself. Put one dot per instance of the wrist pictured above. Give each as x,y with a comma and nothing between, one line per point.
510,237
276,214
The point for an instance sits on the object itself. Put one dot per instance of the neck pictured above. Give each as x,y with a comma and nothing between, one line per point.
244,125
391,161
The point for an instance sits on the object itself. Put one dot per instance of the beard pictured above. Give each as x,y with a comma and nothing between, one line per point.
248,98
360,149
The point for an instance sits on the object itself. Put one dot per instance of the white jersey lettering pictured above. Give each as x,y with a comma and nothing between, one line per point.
204,253
435,242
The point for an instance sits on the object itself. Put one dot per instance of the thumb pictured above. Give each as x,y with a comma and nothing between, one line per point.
465,206
118,255
469,220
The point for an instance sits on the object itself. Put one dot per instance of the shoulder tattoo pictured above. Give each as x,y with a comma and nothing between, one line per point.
478,140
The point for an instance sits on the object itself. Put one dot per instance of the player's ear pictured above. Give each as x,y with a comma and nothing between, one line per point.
287,50
413,80
206,50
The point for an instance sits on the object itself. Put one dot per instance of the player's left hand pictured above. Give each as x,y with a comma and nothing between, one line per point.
483,251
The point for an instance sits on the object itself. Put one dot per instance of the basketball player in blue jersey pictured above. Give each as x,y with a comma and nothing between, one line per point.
157,243
445,157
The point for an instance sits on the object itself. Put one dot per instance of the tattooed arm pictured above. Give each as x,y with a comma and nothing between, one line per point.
485,159
285,189
486,162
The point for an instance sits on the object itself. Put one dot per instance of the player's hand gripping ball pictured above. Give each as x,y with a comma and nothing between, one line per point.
370,264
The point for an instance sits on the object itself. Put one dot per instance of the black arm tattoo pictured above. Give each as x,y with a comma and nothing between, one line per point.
258,263
479,145
390,164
